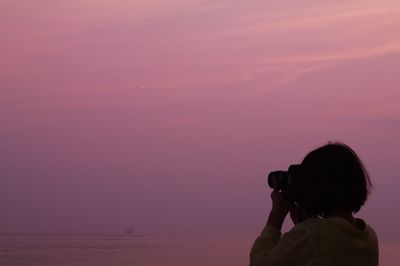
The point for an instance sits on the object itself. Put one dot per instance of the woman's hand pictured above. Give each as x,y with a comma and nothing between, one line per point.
279,204
280,208
296,213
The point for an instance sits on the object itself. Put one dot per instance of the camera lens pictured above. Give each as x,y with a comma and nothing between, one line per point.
282,179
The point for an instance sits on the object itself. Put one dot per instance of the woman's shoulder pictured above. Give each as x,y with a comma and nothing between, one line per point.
310,223
306,229
336,234
315,227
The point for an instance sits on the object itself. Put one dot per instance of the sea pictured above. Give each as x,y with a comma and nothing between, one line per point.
123,250
98,250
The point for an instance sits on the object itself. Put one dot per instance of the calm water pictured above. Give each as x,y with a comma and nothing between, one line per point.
140,250
122,250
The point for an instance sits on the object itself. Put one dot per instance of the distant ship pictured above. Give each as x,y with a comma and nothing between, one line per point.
129,231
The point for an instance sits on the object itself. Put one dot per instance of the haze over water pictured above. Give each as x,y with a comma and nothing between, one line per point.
166,116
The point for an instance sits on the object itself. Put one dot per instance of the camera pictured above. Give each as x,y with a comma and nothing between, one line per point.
287,182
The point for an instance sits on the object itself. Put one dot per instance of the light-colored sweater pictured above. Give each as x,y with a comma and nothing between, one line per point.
317,242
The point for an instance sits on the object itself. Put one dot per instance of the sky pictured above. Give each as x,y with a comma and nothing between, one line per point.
166,116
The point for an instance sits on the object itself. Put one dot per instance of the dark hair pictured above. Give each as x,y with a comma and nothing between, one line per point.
333,178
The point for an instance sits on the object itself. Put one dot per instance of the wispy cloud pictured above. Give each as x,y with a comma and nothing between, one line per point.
197,43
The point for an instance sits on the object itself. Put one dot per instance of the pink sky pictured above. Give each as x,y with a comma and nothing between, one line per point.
166,115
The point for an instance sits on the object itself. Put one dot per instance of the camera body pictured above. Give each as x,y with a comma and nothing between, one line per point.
287,182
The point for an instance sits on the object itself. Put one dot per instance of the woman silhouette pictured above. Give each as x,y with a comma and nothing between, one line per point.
332,185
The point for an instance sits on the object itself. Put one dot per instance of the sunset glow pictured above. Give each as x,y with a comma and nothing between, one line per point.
167,115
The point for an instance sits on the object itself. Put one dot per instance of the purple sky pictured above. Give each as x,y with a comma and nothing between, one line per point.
166,116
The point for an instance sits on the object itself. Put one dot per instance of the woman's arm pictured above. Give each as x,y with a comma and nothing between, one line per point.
272,231
268,247
293,248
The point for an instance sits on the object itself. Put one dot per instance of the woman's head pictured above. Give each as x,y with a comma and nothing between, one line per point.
333,178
